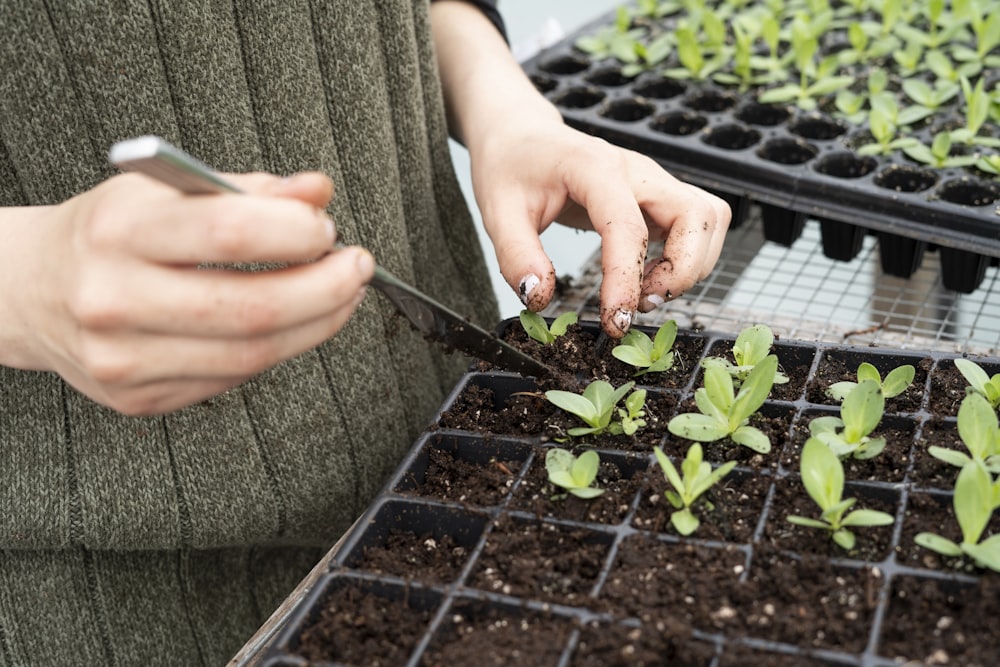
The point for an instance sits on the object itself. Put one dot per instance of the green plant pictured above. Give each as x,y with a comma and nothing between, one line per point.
536,327
979,431
979,381
895,383
723,412
939,153
752,346
617,40
648,355
977,111
975,498
596,407
696,61
696,476
823,478
848,434
575,474
630,419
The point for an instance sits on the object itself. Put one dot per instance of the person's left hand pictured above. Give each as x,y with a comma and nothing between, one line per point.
527,175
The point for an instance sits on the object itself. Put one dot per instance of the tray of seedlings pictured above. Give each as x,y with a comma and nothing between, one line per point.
871,116
683,498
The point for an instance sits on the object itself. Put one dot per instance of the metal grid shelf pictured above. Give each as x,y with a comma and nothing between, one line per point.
801,294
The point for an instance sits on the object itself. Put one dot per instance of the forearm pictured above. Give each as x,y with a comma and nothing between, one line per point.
20,231
483,83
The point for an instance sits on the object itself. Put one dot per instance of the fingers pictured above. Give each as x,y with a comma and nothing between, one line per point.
694,223
220,303
513,229
282,222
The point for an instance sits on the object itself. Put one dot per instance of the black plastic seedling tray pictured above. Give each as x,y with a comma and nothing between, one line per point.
597,616
793,163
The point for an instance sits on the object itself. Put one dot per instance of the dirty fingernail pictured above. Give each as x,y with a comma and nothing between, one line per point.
654,300
526,287
623,320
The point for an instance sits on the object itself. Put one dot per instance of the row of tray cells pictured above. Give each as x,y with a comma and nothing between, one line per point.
844,164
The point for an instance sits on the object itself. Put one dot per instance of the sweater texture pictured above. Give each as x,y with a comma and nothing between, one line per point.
168,540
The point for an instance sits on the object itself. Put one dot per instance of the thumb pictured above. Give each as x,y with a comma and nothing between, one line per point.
522,259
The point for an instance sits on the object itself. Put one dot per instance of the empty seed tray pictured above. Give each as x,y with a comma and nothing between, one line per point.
469,557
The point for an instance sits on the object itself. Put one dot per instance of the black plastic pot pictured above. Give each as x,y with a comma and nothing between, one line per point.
589,603
794,163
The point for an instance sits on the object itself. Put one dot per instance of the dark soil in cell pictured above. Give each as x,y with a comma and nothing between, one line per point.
428,558
929,472
457,480
664,641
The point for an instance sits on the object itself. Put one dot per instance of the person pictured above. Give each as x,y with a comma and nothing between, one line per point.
197,397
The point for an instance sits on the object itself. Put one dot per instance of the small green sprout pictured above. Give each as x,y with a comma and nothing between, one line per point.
980,432
536,327
695,478
752,346
979,381
648,355
860,413
630,419
576,474
596,407
895,383
727,413
976,496
823,477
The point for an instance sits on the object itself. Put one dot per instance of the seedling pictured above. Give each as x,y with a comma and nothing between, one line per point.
536,327
575,474
895,383
979,381
823,477
980,433
695,478
976,496
614,41
648,355
939,153
752,346
847,435
596,407
725,413
630,419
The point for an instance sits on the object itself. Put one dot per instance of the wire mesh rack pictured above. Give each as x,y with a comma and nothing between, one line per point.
801,294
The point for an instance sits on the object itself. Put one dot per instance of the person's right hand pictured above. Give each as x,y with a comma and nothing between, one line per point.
105,289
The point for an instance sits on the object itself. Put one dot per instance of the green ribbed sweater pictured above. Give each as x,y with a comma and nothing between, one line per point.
168,540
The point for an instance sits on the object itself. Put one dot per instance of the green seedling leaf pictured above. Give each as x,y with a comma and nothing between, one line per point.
895,383
860,413
596,406
694,479
979,381
752,346
574,474
823,478
537,328
648,355
724,413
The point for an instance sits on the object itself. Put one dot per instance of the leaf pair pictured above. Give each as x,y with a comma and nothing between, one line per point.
752,346
694,479
895,383
648,355
725,413
596,407
823,477
848,434
536,326
576,474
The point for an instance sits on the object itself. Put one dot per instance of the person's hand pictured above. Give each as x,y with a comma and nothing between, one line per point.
528,174
121,290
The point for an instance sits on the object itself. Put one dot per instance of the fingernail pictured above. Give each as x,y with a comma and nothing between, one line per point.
331,231
366,263
655,300
622,320
526,287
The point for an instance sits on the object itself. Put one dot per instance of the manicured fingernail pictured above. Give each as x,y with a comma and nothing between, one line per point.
526,287
623,320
